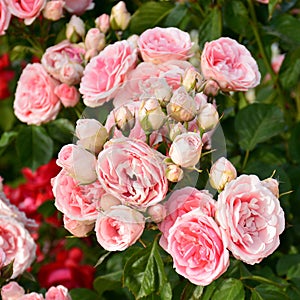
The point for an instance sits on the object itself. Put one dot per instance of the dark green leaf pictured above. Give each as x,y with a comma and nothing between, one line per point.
61,130
191,292
272,5
149,15
82,293
257,123
286,262
6,139
211,28
294,144
34,146
176,16
229,289
7,116
47,209
294,271
108,282
268,292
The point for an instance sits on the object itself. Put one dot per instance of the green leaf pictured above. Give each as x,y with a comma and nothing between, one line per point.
61,130
211,28
144,274
82,293
267,292
256,123
34,146
7,117
229,289
294,271
176,16
149,15
191,292
108,282
236,16
286,262
6,139
271,6
47,209
294,144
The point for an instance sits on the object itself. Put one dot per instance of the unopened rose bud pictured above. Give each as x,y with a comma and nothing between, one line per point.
185,150
191,79
91,134
124,119
102,22
119,17
108,200
211,88
53,10
151,116
273,185
221,172
157,213
78,163
182,107
176,129
75,30
207,117
78,228
174,173
94,39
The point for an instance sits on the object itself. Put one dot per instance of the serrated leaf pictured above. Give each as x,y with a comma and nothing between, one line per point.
6,139
149,15
61,130
144,274
229,289
211,28
256,123
34,146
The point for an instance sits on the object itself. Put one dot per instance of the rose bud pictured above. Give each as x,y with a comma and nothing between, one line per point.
185,150
182,107
78,163
75,29
174,173
207,117
94,39
211,88
221,172
176,129
191,79
119,17
151,116
102,22
272,184
78,228
89,54
124,119
68,95
91,134
53,10
157,213
12,291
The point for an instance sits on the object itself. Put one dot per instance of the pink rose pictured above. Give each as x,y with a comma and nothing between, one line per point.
158,45
5,17
17,244
78,7
77,202
64,62
119,227
78,162
26,9
54,10
12,291
58,293
230,64
68,95
198,248
252,218
181,202
133,172
103,23
185,150
94,39
106,72
32,296
35,100
78,228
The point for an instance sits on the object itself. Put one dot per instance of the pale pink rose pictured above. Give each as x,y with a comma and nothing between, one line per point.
68,95
54,10
78,228
94,39
17,244
221,172
185,150
157,212
158,45
78,163
198,248
107,201
58,292
102,22
106,72
77,202
26,9
252,218
230,64
32,296
277,61
181,202
91,134
64,62
133,172
2,258
75,29
35,100
273,185
12,291
5,17
119,227
263,1
78,7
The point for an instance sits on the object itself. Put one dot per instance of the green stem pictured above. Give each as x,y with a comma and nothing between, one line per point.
264,280
245,159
